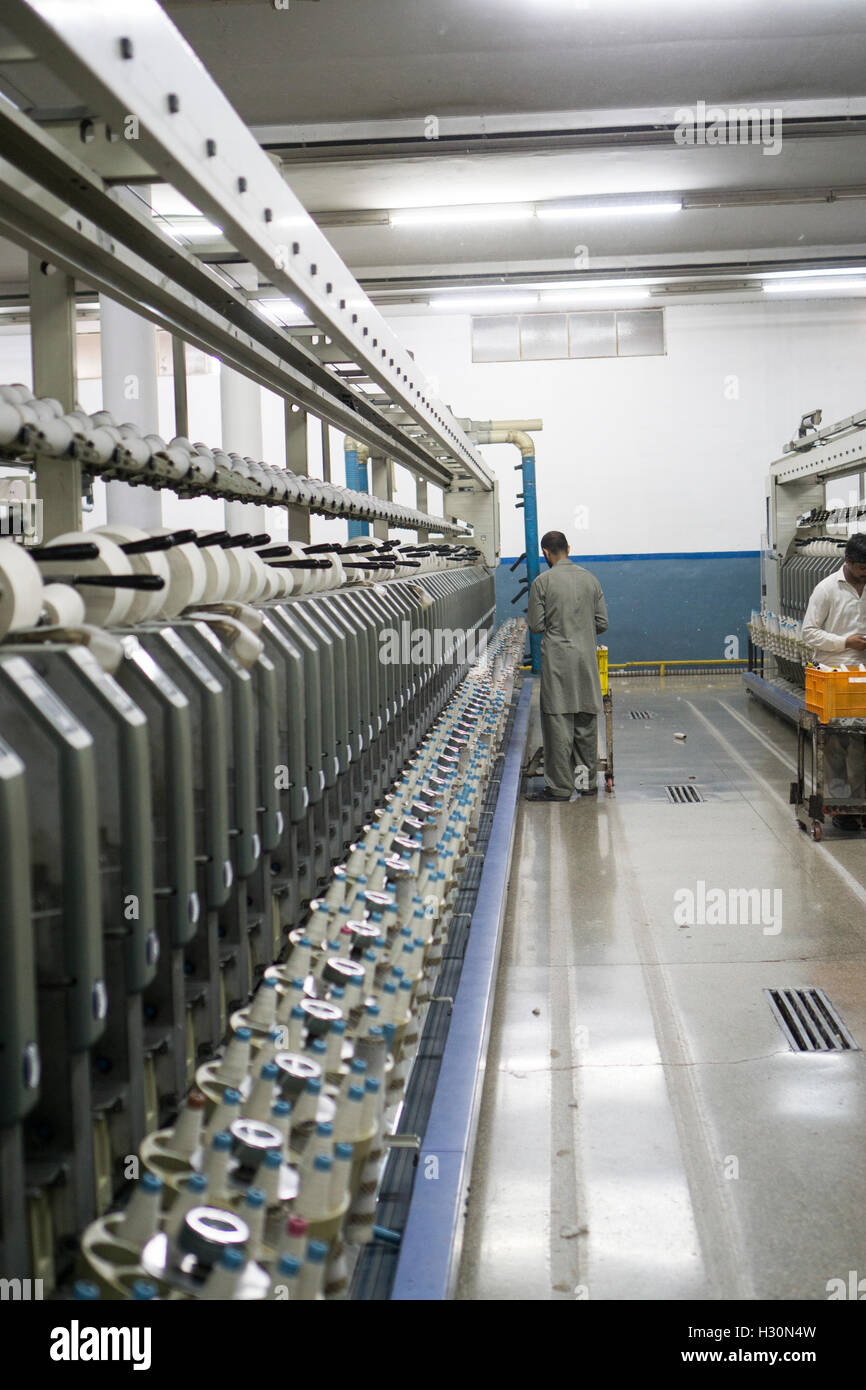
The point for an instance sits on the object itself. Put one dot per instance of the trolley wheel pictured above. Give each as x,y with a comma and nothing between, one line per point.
817,830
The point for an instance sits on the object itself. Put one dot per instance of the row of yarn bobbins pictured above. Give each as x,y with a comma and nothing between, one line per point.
273,1165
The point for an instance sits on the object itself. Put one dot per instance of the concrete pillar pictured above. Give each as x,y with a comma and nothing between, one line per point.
422,504
326,450
52,348
241,413
296,461
129,392
181,404
381,485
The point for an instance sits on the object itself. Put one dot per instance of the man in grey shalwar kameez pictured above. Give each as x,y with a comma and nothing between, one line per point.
566,605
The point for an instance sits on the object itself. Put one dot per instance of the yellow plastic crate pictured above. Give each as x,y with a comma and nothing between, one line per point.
601,653
836,694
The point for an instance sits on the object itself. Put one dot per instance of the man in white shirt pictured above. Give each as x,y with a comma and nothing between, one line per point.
835,628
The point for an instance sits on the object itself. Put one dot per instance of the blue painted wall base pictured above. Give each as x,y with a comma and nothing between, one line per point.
679,607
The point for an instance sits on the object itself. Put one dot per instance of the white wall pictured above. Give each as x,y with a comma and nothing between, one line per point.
665,453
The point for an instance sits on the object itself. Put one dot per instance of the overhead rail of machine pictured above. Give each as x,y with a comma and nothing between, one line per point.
134,66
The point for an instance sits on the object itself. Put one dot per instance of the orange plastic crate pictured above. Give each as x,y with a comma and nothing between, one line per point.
836,694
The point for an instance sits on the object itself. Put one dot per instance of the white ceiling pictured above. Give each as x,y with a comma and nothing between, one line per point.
420,181
350,64
341,60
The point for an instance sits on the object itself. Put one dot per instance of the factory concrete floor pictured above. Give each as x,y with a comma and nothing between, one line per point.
647,1131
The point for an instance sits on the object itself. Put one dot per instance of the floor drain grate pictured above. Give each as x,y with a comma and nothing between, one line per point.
641,714
809,1021
684,794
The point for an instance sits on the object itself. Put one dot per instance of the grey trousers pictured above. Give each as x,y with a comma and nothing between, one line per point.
570,743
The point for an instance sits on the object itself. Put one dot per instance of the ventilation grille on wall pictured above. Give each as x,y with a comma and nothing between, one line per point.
809,1021
543,337
684,794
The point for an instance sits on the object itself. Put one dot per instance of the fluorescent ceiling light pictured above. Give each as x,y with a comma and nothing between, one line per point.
599,6
595,296
609,209
500,304
198,230
558,286
430,217
278,306
499,212
818,287
838,272
167,202
201,231
280,309
605,292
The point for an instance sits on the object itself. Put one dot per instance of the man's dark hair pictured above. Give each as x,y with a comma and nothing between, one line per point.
555,542
855,550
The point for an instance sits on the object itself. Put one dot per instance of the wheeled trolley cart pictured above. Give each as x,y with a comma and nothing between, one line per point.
810,804
605,764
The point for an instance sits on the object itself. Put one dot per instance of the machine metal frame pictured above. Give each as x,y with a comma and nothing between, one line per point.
794,493
130,65
795,485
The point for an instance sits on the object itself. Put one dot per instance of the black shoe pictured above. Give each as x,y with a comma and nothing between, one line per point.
846,822
546,795
590,791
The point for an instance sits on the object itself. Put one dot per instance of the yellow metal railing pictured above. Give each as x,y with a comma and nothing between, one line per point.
661,665
737,662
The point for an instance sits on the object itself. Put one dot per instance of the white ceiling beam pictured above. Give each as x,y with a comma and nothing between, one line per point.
540,122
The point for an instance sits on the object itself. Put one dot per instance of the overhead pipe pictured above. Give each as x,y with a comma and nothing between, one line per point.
517,432
357,455
509,426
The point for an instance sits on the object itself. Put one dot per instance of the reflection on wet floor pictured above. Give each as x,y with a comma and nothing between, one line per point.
647,1130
